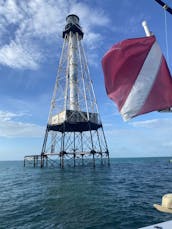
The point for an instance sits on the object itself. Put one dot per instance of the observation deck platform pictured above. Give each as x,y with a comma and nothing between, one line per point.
74,121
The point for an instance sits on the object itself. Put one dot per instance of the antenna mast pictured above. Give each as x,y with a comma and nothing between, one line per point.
165,6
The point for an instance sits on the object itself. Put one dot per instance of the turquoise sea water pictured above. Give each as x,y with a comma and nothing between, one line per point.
119,197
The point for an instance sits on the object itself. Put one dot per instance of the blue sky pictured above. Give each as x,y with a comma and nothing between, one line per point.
30,47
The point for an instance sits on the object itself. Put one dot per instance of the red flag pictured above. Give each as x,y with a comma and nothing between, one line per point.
137,77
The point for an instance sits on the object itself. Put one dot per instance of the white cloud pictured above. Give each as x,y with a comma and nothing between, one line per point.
9,127
15,55
97,17
93,40
131,27
10,11
7,116
48,20
36,21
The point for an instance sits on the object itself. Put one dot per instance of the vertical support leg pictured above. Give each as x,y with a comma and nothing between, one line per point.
45,141
24,162
60,160
108,159
37,161
74,161
74,154
101,158
62,164
34,161
62,149
42,161
94,164
100,147
81,143
106,147
82,155
46,161
92,151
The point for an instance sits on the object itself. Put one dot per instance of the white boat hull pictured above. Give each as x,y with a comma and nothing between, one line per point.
164,225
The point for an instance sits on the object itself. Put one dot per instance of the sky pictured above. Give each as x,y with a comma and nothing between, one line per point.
30,48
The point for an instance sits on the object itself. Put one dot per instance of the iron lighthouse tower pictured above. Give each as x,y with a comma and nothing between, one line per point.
74,131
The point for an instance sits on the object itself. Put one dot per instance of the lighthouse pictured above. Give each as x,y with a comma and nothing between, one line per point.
74,133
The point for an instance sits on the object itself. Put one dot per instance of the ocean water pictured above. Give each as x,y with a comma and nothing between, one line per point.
119,197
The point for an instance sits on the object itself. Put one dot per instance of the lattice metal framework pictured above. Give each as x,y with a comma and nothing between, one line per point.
74,130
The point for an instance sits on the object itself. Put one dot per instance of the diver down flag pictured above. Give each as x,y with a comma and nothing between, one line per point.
137,77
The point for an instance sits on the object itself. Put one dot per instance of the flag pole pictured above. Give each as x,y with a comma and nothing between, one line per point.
146,29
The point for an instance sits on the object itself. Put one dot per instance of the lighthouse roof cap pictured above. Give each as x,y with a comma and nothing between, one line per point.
72,15
72,18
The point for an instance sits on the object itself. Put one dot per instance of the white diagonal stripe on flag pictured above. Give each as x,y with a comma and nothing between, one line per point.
143,83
